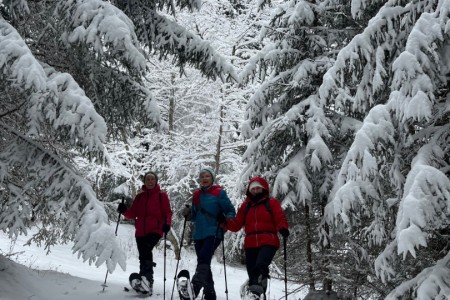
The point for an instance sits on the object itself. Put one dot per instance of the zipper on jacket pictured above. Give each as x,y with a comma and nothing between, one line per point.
145,214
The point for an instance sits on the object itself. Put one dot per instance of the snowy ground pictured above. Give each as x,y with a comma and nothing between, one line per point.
62,276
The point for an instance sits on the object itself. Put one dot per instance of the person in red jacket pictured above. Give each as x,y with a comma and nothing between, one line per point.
153,216
262,218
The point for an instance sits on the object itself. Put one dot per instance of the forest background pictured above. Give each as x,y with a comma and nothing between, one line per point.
342,105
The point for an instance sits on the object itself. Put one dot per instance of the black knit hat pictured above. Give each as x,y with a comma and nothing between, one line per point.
150,173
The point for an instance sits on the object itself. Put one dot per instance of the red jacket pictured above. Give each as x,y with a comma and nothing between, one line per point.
150,210
261,226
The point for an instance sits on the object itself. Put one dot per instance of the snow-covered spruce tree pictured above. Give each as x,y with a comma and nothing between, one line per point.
295,143
392,191
72,73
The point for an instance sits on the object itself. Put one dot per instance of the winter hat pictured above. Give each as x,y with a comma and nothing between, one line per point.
151,173
255,184
210,171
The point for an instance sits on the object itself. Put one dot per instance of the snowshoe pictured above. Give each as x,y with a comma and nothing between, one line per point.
243,290
139,284
184,285
148,285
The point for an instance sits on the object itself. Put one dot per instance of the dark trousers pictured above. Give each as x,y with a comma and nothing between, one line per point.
257,261
203,276
145,245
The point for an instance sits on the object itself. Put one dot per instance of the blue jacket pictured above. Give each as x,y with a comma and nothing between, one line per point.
206,205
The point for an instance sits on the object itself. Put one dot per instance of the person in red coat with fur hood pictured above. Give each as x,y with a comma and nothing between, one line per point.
262,218
153,216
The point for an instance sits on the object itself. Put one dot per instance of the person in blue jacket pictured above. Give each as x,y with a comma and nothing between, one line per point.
210,206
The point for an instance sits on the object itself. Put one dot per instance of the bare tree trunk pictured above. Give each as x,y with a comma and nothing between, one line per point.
219,140
172,103
327,282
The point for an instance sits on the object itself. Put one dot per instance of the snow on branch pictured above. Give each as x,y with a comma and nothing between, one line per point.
412,97
316,127
17,62
354,184
16,8
363,61
67,206
426,192
103,27
68,110
55,97
191,48
432,283
295,168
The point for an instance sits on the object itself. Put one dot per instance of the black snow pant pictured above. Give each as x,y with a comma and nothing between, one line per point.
145,245
257,261
203,276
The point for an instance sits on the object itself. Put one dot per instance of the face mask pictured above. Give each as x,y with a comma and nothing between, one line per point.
257,197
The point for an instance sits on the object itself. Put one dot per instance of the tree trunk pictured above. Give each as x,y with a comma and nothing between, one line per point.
308,249
219,140
327,281
171,103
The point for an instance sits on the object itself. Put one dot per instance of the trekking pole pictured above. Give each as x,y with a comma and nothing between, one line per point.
285,267
223,256
117,227
165,254
178,261
224,267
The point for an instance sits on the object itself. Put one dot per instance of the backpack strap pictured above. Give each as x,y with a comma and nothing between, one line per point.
196,202
266,204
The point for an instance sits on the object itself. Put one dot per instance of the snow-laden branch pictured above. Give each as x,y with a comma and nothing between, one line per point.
190,48
17,62
16,8
295,168
105,28
363,62
426,193
66,107
412,97
55,97
354,183
432,283
317,130
66,200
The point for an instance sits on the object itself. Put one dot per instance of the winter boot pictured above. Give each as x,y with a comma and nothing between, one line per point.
146,271
200,278
209,295
255,292
208,289
263,282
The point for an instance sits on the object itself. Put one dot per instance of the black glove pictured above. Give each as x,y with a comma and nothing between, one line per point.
166,228
186,212
221,218
121,208
284,232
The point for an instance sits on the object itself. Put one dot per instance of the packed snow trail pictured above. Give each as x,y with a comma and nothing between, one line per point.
62,276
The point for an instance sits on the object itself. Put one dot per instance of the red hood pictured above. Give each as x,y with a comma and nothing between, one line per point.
263,183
